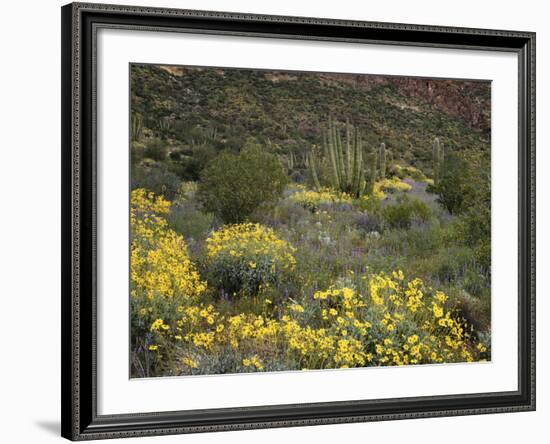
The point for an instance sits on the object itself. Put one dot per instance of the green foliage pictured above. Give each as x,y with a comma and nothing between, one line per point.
452,266
137,152
407,172
473,225
457,185
405,211
189,221
156,149
233,186
137,126
188,162
155,177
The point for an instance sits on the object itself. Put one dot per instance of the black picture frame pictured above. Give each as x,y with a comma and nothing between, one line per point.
80,420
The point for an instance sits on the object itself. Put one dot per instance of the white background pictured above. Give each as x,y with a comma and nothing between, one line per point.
30,218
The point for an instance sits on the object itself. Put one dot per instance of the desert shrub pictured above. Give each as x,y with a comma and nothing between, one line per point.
384,319
475,310
285,213
456,185
186,191
454,263
137,152
155,177
314,200
399,321
376,193
246,257
404,172
188,162
475,282
419,240
473,229
368,222
393,185
369,216
162,278
404,212
188,221
233,186
155,149
372,203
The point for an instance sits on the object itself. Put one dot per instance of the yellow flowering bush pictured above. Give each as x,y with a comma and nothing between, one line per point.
411,324
411,172
392,185
247,256
160,265
313,200
376,195
162,277
382,320
361,320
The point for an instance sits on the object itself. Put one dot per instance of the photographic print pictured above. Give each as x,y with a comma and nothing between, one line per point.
292,221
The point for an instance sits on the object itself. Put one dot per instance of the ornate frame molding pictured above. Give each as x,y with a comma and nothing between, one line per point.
79,395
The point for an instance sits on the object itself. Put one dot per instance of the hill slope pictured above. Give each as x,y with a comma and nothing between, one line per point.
288,110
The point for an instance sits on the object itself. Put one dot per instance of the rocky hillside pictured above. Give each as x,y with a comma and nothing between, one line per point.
287,111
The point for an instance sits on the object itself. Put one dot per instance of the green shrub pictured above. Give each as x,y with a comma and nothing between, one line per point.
155,177
453,263
233,186
248,257
137,152
458,185
404,172
185,219
190,165
404,212
156,149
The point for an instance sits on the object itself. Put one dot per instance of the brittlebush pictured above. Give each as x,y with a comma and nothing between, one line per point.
384,320
365,320
245,257
162,277
313,200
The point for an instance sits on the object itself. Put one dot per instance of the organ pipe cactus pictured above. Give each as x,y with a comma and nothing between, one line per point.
311,162
137,126
343,157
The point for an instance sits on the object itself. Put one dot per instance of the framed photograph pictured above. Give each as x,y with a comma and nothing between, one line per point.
282,221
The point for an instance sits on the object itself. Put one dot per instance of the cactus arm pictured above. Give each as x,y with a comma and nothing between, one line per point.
313,169
333,159
382,160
